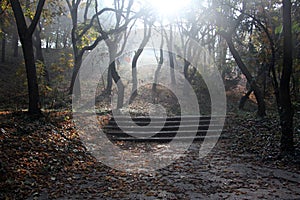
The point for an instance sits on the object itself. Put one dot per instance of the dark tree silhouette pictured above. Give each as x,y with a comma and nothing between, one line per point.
25,35
286,112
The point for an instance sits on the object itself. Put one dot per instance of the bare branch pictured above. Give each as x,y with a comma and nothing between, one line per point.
93,18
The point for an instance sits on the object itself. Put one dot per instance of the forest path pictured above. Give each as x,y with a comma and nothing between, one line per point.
220,175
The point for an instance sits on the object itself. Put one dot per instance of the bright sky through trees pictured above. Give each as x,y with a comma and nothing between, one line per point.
168,7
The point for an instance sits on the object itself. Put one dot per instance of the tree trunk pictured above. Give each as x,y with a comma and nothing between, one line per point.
187,79
156,75
185,69
159,64
112,74
120,86
33,90
15,45
109,77
258,95
244,99
264,82
3,49
76,54
147,34
286,111
47,44
112,49
171,58
57,39
25,35
38,46
65,39
134,92
172,68
221,59
75,81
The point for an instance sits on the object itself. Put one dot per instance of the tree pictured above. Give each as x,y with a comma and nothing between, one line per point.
3,47
5,22
120,34
160,62
15,44
261,21
117,36
286,112
260,101
170,43
227,29
86,35
78,35
25,34
187,29
147,34
51,10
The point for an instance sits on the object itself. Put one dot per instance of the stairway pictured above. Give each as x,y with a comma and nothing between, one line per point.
163,129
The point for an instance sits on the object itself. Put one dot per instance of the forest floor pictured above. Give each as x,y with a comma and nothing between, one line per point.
45,159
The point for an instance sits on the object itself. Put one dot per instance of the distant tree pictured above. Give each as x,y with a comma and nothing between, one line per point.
147,34
8,29
193,29
5,19
57,30
15,44
25,34
170,43
160,62
51,11
3,49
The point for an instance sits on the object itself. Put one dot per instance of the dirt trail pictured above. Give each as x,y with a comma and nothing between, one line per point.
220,175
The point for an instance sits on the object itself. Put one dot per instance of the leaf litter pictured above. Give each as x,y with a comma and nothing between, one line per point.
45,159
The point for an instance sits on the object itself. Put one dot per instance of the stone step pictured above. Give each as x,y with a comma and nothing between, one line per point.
159,118
163,129
165,139
162,133
175,127
166,123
